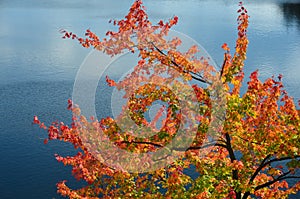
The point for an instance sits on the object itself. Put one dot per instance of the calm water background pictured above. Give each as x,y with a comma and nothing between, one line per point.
38,68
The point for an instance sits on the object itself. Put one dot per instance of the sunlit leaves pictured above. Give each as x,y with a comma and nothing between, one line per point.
256,154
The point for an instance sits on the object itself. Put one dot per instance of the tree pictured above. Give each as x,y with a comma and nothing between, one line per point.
253,154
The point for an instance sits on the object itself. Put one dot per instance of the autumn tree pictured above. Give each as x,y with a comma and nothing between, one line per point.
234,144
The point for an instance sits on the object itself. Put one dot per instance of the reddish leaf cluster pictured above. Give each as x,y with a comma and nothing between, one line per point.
256,153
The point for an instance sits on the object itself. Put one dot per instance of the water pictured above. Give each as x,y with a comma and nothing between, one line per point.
38,68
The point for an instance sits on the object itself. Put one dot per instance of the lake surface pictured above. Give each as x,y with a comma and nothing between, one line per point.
38,68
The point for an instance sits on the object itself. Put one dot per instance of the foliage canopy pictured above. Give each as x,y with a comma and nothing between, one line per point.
256,150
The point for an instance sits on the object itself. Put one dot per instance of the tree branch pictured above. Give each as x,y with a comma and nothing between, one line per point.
263,164
281,177
205,146
142,142
177,149
193,75
281,159
232,158
223,66
229,148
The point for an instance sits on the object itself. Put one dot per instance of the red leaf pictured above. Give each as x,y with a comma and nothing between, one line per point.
110,82
225,47
36,120
70,104
45,141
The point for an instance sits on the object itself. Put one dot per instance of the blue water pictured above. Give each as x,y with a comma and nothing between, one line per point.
38,68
